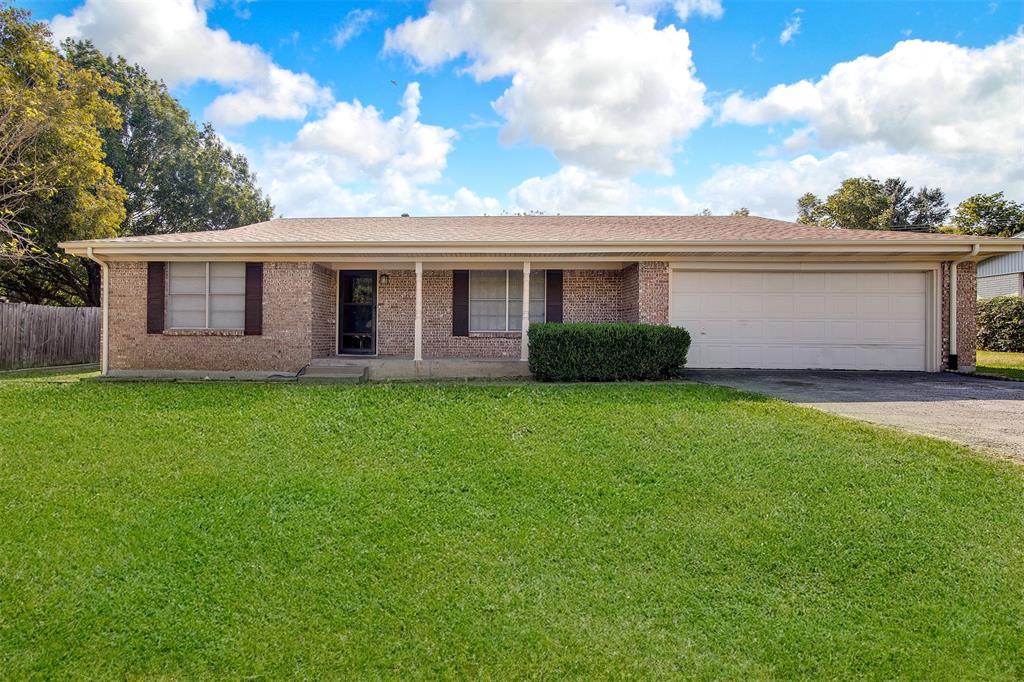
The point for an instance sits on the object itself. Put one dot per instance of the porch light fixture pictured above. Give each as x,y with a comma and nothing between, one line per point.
383,279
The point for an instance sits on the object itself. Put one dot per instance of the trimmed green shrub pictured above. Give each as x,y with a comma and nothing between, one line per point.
606,352
1001,324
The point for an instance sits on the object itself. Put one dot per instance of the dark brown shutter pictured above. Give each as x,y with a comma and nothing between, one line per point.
553,313
460,302
253,299
155,285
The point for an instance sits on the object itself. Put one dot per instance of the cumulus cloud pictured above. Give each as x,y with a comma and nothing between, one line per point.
601,86
771,188
172,40
575,190
354,24
932,112
362,141
919,96
355,161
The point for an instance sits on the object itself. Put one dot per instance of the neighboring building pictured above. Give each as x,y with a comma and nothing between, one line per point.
753,292
1002,275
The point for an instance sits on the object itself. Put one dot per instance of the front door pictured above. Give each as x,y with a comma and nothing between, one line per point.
357,312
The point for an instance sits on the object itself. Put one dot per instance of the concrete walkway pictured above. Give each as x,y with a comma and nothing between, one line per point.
983,413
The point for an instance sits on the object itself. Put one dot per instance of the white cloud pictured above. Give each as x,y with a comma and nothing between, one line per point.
931,112
711,9
354,161
791,28
600,86
355,23
575,190
360,139
771,188
919,96
171,40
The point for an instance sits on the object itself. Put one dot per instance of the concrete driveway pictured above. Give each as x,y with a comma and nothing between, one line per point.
983,413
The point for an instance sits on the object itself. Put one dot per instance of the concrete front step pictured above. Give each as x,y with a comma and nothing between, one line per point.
349,374
382,369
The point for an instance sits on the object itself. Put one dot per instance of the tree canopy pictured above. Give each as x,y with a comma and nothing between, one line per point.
54,184
870,204
990,215
91,146
179,177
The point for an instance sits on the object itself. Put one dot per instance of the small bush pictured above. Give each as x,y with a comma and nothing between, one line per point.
1001,324
606,352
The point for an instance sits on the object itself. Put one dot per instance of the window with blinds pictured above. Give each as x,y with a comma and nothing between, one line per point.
206,295
496,299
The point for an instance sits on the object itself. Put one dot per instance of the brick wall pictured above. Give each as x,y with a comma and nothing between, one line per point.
438,341
629,294
396,310
591,295
652,304
966,328
587,296
324,311
284,345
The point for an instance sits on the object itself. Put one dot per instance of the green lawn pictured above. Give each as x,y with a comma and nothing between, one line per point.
1004,364
252,530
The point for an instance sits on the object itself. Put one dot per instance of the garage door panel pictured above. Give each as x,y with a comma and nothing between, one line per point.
905,304
780,319
872,304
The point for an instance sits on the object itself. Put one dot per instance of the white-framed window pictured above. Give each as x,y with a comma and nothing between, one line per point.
496,300
205,295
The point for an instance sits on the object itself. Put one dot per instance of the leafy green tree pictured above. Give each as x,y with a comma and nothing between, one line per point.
810,210
179,177
744,211
990,215
54,184
859,204
868,204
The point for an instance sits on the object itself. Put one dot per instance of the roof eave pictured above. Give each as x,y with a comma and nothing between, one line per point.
988,246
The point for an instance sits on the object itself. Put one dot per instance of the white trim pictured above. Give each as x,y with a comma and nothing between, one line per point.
105,336
418,324
631,250
337,312
525,324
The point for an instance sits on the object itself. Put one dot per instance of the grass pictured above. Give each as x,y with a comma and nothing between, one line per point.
1010,365
542,531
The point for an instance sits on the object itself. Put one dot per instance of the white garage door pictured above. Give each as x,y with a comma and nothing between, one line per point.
803,320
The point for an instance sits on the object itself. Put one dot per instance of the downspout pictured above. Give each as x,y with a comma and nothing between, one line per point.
954,364
105,337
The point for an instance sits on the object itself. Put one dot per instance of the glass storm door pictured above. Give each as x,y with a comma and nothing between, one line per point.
357,312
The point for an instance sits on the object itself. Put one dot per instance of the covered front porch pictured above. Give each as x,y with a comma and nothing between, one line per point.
448,311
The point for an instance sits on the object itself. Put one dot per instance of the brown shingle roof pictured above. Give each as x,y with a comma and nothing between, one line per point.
527,229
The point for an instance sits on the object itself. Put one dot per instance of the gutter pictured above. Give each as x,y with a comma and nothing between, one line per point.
105,336
954,364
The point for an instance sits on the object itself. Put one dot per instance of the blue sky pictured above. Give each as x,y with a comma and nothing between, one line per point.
598,107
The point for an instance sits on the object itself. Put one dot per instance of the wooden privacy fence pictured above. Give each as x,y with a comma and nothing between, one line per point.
42,335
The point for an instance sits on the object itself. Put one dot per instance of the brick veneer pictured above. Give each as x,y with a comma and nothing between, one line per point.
285,344
591,295
324,311
966,327
587,296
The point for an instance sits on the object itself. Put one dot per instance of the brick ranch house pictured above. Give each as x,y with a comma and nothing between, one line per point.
276,296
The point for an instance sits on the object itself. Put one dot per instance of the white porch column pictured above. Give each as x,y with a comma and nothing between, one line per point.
524,348
418,333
